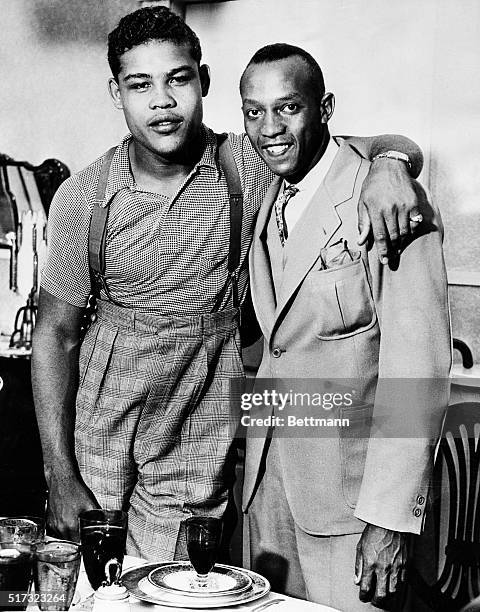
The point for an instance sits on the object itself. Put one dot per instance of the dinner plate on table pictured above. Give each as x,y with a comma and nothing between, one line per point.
180,578
140,583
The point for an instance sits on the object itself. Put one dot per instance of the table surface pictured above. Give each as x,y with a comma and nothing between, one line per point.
86,600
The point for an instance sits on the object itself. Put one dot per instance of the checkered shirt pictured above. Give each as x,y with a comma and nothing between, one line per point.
162,256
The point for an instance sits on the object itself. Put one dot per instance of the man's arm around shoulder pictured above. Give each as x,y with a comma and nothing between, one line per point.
412,393
388,205
56,345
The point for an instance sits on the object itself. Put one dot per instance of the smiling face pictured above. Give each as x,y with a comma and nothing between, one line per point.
285,117
160,88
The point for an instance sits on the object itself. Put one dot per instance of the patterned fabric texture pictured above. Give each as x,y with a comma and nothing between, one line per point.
280,204
155,420
164,257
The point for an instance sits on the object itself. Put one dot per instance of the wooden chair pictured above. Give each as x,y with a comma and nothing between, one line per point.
456,503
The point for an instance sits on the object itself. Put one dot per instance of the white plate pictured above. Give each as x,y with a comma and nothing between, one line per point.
179,578
136,581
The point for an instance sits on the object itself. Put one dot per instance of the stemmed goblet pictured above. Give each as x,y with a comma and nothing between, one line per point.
204,535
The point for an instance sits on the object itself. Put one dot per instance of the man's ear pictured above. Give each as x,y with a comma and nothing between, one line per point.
327,106
114,91
204,72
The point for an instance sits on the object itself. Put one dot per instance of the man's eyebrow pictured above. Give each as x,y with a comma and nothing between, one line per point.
146,75
286,98
137,75
184,68
290,96
250,101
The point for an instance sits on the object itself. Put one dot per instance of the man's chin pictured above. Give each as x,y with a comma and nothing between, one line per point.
170,148
282,168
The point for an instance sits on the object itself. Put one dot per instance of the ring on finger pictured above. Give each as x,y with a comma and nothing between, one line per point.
417,218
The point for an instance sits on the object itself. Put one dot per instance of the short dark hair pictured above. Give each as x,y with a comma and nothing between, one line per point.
147,24
280,51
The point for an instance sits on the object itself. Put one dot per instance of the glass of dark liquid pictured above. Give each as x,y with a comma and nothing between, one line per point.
16,560
204,535
103,534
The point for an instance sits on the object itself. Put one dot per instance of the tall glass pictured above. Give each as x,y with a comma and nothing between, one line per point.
55,572
204,535
103,535
15,574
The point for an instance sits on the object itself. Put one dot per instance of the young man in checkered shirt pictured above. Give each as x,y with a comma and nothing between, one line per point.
138,415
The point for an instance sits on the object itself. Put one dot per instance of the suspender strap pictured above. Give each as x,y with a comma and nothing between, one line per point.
98,229
229,168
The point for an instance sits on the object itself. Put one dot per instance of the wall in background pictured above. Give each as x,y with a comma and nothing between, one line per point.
407,67
54,101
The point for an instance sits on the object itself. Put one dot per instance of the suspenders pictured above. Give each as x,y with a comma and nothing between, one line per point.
97,233
99,219
235,195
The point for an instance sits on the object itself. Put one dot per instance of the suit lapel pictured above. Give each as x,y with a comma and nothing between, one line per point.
263,291
319,224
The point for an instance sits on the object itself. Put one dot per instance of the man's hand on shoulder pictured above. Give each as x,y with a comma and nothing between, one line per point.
388,207
380,565
68,496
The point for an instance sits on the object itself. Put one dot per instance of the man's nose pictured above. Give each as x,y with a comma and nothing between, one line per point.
162,98
272,125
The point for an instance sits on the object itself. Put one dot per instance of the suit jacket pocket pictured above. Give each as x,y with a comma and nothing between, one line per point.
342,301
353,442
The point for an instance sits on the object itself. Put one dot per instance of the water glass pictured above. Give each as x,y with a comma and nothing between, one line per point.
55,571
26,529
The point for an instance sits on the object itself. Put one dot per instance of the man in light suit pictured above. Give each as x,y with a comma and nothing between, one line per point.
329,309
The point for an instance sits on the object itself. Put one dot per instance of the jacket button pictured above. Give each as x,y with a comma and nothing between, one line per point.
420,500
276,352
417,512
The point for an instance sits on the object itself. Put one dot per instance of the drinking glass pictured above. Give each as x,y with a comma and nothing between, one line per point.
204,534
26,529
103,534
55,572
15,574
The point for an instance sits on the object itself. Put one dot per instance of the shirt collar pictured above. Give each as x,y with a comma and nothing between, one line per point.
121,177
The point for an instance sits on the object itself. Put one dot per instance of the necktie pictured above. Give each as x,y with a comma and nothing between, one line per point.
280,204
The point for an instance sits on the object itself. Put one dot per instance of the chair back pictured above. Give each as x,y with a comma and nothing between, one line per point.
456,508
457,467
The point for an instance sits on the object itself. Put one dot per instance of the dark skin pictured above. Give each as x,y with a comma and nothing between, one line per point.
380,565
57,334
287,124
392,228
159,90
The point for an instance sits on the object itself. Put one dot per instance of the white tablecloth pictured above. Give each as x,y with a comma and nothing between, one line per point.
289,603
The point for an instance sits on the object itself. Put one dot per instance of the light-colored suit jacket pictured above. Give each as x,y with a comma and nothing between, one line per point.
362,321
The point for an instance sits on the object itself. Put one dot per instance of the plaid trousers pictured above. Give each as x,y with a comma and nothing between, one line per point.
155,420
